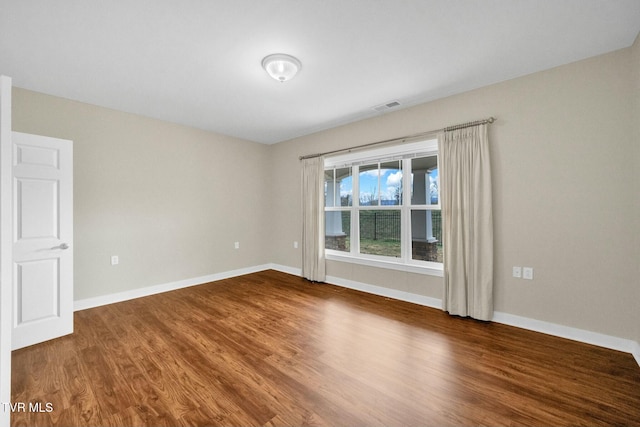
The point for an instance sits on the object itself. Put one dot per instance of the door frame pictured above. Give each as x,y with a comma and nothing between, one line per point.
6,248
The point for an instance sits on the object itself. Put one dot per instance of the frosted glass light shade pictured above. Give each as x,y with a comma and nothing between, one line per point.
281,67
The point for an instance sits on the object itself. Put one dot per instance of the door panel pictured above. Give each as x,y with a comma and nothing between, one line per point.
36,205
43,239
37,290
38,156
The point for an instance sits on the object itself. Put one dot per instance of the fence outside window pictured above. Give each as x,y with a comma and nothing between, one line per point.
385,225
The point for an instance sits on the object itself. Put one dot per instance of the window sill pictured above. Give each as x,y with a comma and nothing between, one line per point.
409,268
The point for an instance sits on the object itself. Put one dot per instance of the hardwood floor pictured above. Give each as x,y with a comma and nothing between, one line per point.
272,349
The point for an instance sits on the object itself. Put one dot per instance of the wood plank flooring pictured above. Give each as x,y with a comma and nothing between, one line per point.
272,349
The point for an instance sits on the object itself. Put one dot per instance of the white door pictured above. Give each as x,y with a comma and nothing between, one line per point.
43,239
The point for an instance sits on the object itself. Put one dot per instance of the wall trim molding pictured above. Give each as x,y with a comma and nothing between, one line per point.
568,332
84,304
575,334
386,292
284,269
636,352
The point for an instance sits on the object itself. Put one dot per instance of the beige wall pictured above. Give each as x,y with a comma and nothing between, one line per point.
563,192
171,200
168,200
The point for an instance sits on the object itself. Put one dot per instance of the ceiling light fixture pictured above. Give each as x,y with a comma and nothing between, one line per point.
281,67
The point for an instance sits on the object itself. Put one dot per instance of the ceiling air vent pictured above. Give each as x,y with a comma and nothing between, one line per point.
387,106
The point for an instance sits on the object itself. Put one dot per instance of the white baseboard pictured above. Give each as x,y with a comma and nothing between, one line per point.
284,269
568,332
157,289
386,292
575,334
636,352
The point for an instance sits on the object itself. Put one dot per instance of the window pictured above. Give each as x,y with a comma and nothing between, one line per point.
382,207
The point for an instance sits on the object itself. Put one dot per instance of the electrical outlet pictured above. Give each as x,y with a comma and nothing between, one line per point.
517,272
295,245
527,273
115,260
237,245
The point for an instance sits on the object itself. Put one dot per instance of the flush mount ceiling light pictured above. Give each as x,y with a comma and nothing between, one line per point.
281,67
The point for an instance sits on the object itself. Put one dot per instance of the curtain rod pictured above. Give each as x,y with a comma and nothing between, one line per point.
415,135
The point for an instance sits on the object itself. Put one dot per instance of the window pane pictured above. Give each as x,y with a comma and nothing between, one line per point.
368,180
380,232
391,183
424,181
329,186
344,186
426,235
338,187
337,230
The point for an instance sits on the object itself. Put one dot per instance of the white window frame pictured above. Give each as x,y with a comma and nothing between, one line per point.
404,153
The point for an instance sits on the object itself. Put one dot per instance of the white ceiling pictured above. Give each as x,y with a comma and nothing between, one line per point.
197,62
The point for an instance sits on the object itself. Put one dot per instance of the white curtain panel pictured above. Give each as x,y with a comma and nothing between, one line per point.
313,262
465,178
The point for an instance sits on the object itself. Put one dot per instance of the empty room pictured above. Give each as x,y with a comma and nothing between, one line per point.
322,212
